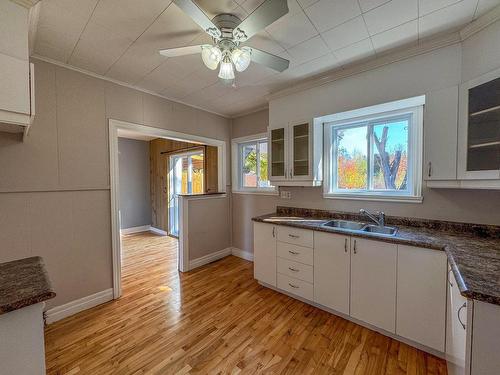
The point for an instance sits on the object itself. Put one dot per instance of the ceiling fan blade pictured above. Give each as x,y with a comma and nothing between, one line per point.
271,61
198,16
181,51
268,12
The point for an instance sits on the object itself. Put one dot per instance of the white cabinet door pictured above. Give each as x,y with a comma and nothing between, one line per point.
278,154
456,319
332,258
264,253
421,296
485,358
440,133
373,283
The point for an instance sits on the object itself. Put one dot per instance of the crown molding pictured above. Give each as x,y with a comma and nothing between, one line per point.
480,23
251,111
26,3
391,57
115,81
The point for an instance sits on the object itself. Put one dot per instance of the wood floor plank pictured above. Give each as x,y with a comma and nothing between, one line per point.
215,320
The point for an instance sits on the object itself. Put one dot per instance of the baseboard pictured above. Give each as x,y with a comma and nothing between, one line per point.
247,255
60,312
142,228
195,263
157,231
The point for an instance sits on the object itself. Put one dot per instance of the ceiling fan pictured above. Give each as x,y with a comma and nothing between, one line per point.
228,33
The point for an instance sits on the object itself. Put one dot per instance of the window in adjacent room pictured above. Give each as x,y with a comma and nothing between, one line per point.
250,156
375,152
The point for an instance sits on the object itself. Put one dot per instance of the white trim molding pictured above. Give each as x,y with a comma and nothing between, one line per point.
143,228
60,312
212,257
247,255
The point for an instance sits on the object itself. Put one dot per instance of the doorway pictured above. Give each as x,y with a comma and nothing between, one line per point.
186,176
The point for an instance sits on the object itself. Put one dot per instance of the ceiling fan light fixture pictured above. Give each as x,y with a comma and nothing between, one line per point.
211,56
226,72
241,58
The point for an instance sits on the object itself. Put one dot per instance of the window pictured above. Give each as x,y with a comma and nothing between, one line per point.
250,165
375,152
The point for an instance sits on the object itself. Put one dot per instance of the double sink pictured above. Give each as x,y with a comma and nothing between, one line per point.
355,226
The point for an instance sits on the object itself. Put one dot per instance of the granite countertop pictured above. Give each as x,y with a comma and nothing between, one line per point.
23,282
473,250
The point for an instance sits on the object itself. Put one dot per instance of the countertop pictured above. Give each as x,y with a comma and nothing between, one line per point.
23,282
473,251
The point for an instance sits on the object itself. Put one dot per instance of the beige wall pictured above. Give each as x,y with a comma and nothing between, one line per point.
423,74
54,188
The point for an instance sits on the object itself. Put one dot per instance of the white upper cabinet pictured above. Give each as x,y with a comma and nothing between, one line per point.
373,283
295,154
479,129
17,106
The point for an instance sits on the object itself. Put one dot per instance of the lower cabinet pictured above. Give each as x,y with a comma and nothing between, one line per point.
421,296
373,283
332,270
264,249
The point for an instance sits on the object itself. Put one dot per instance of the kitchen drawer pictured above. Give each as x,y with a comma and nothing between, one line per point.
296,236
295,269
296,253
295,286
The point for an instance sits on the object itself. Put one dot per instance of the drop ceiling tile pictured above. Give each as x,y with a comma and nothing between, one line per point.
254,73
265,42
310,68
429,6
367,5
126,18
250,5
357,51
400,35
447,18
175,91
215,7
306,3
290,30
346,34
159,79
391,14
98,48
60,24
326,14
484,6
309,50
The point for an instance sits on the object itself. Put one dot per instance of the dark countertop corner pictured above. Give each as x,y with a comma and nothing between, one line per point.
23,282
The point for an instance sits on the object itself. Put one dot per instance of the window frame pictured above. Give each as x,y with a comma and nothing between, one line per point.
368,117
237,165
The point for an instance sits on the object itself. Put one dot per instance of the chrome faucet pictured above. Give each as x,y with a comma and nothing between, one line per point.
378,217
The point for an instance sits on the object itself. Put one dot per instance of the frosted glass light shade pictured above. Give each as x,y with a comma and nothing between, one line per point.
241,58
211,56
226,71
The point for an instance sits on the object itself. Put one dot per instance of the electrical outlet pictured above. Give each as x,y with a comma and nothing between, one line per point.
285,194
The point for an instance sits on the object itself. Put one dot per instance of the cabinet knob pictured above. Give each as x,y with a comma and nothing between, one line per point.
293,236
293,286
293,269
293,252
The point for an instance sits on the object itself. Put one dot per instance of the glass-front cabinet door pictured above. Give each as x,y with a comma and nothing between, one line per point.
278,153
300,150
480,129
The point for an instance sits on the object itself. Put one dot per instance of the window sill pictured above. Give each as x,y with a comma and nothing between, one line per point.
378,198
256,192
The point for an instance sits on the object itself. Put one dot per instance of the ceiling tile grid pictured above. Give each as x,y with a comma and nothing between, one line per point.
120,40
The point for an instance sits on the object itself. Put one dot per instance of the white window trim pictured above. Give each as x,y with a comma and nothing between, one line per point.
412,106
235,167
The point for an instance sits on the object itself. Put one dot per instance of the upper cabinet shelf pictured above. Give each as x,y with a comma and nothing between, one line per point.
295,152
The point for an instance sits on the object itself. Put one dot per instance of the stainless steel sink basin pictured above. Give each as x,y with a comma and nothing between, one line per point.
388,231
344,224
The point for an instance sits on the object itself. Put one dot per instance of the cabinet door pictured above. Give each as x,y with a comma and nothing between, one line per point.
479,128
373,283
421,296
264,252
332,258
456,319
300,158
440,130
278,152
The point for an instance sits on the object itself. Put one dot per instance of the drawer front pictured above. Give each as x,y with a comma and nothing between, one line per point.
295,286
296,253
296,269
296,236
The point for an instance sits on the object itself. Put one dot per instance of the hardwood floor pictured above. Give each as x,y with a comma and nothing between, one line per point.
215,319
